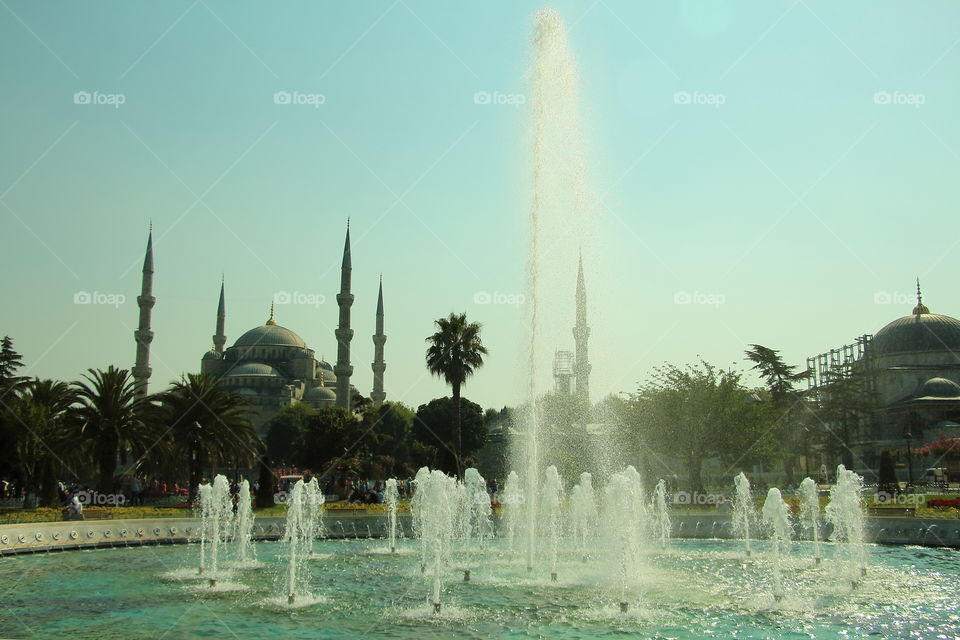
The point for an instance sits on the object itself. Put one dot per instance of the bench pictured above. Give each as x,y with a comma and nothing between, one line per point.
892,511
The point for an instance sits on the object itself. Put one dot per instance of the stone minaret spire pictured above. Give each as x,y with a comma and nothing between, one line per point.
379,366
343,370
219,339
581,334
143,335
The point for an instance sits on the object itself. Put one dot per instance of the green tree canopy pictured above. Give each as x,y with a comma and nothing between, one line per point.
433,426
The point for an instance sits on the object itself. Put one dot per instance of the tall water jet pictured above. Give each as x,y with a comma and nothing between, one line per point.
845,512
390,496
313,525
744,512
511,505
243,533
216,519
810,513
776,515
298,538
420,482
552,501
557,227
435,512
477,512
583,514
623,517
661,514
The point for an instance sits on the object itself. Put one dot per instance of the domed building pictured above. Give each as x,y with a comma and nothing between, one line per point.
912,369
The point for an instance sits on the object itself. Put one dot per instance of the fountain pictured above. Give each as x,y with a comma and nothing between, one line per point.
845,513
583,514
810,513
511,501
776,515
624,520
435,512
552,499
216,519
390,497
298,537
744,513
661,514
243,531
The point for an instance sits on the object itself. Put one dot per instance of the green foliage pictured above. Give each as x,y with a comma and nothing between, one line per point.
284,430
433,426
333,440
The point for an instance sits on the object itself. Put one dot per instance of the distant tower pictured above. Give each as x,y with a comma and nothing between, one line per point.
563,371
581,334
378,396
143,335
219,339
343,370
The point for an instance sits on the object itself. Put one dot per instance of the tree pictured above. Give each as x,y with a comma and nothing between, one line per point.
207,425
333,440
392,422
844,405
284,431
454,354
43,412
788,405
433,426
699,412
111,418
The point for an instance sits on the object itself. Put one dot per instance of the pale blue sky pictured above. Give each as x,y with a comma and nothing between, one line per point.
798,199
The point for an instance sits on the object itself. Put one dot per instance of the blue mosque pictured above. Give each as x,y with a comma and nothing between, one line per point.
270,365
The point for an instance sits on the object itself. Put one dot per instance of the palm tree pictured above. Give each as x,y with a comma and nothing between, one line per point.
454,354
42,443
208,425
111,419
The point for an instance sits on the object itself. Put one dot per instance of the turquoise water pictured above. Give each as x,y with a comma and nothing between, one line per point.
700,589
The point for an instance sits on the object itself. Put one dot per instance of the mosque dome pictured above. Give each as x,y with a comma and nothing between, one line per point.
917,332
211,355
940,388
319,394
270,335
254,369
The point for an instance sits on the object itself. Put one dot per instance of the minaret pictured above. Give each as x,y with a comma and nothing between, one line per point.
581,333
343,370
219,339
143,335
920,308
379,366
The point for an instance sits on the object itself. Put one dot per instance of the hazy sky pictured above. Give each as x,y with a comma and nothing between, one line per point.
787,168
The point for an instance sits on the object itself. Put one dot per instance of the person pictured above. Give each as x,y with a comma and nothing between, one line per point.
73,510
136,491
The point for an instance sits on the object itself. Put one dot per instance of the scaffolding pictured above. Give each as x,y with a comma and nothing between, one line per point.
836,363
563,371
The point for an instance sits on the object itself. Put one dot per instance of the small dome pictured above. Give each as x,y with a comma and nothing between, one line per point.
211,355
270,335
319,394
254,369
917,333
940,388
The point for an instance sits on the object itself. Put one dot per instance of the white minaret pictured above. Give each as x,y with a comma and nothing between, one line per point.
379,366
143,335
343,370
219,339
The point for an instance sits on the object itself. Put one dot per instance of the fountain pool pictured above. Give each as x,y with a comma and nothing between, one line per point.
691,590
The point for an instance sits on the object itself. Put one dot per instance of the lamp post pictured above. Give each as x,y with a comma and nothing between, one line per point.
908,435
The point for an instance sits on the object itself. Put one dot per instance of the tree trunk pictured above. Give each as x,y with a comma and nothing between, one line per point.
196,470
694,464
48,486
108,467
458,448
